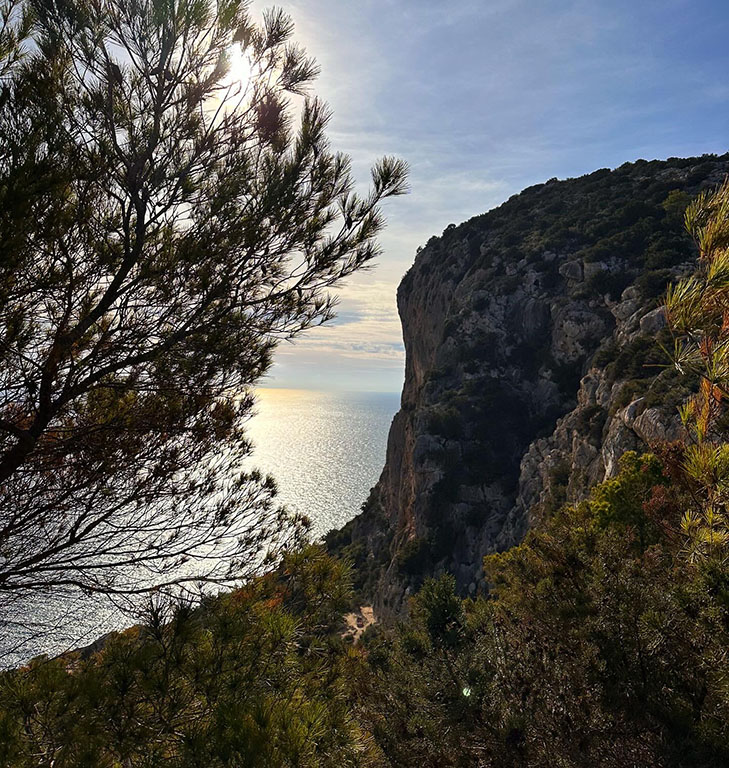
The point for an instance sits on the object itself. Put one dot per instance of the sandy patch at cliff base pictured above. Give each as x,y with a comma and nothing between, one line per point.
357,622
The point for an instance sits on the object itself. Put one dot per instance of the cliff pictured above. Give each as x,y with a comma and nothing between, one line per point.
532,337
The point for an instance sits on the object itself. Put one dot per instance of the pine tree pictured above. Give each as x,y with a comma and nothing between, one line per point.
697,310
163,225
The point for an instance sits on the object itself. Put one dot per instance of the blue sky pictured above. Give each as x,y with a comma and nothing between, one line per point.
484,99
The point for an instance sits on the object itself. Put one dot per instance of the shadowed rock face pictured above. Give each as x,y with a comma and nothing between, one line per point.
531,335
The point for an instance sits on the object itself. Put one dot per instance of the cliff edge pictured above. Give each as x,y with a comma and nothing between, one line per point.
533,361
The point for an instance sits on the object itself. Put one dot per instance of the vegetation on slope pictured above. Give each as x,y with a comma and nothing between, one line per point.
256,677
601,642
603,639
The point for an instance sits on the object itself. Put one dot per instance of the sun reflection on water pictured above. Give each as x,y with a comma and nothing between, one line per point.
325,450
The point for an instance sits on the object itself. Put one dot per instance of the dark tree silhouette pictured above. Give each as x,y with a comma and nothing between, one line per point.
162,226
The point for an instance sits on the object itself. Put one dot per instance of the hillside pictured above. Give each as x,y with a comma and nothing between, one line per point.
532,365
602,637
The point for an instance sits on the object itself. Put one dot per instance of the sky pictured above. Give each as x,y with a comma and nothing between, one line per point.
483,99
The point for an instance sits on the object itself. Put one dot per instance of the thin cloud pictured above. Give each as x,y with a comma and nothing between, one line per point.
484,99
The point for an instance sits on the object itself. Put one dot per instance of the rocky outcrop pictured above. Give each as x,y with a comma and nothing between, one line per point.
533,362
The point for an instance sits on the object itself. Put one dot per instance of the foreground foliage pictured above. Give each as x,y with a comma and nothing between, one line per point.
254,678
601,644
697,309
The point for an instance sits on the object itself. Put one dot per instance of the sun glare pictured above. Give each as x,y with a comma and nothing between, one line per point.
240,66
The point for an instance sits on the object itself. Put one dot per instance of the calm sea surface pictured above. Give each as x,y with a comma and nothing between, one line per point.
325,450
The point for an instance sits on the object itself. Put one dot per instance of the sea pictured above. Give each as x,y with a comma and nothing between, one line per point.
324,449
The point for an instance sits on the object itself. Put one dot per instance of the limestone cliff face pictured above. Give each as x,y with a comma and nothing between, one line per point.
533,362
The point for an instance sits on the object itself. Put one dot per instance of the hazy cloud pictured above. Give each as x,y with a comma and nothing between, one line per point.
484,98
